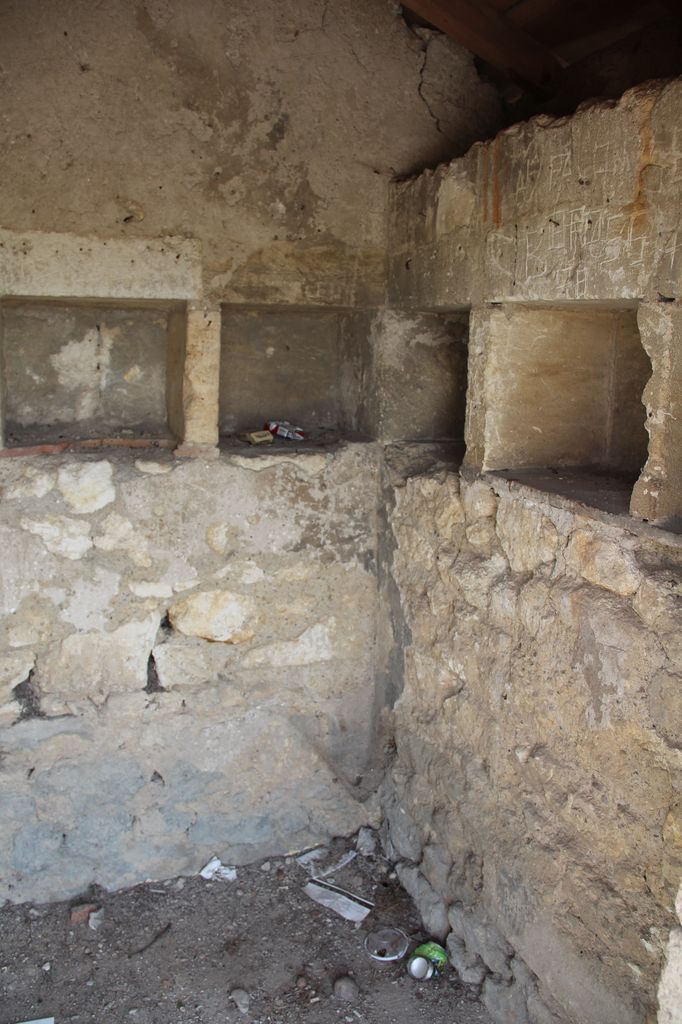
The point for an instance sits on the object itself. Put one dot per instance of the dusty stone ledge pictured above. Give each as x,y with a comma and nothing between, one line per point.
628,524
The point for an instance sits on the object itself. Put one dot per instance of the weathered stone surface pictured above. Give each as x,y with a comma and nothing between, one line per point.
218,615
557,726
482,937
158,747
119,534
90,666
469,966
86,488
528,538
69,538
665,706
313,645
307,195
670,985
14,669
604,562
505,1002
430,905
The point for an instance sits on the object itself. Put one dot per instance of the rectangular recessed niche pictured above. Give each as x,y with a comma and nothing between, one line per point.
279,364
78,370
564,392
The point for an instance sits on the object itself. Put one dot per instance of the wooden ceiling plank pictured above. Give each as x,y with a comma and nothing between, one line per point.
488,34
554,21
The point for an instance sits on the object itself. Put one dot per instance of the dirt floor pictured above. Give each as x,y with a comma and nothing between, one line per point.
180,951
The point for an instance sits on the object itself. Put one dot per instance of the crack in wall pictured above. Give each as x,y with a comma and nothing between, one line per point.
420,91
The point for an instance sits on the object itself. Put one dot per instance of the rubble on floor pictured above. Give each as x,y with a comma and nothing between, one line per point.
196,951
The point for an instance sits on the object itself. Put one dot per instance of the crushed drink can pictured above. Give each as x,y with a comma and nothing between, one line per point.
282,428
427,961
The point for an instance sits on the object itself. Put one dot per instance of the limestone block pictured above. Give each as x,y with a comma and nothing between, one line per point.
528,537
658,602
87,488
201,378
665,706
306,463
403,832
66,265
657,495
152,468
218,615
476,576
469,966
504,1002
119,534
481,535
604,562
534,608
192,663
14,669
33,483
670,984
436,865
315,644
430,905
68,538
481,937
479,500
89,666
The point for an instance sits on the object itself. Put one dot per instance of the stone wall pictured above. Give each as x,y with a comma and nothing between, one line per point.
581,212
535,799
534,803
188,662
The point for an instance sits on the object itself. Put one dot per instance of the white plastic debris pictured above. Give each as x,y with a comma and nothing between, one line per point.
310,861
96,919
306,860
347,904
337,865
215,870
43,1020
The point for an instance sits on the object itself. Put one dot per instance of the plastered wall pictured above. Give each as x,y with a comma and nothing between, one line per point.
268,131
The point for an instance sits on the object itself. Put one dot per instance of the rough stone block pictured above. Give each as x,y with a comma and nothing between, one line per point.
429,904
606,563
505,1002
217,615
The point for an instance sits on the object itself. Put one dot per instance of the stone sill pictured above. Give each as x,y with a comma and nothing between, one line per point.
668,535
87,445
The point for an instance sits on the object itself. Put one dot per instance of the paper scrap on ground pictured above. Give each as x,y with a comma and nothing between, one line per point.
216,870
43,1020
353,908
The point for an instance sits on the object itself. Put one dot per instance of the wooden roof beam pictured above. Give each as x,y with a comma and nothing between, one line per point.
490,35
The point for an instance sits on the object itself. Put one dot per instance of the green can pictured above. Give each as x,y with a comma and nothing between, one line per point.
427,960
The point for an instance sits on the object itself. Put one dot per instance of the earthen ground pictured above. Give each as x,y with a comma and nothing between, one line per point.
173,951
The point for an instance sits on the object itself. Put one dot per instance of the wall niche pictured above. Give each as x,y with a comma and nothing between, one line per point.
564,400
75,370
